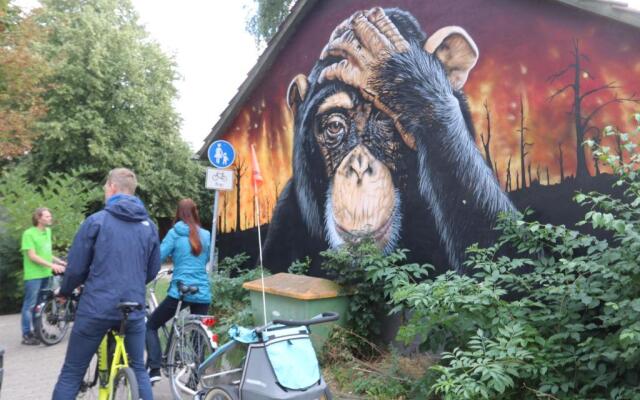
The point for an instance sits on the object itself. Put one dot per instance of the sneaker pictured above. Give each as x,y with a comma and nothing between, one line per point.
154,375
30,340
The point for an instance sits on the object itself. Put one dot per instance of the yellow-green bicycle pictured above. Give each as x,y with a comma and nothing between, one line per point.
109,375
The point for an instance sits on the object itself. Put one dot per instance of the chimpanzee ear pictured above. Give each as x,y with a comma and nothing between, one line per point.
456,50
297,91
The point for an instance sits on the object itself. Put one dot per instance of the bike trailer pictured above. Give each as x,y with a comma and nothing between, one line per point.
280,363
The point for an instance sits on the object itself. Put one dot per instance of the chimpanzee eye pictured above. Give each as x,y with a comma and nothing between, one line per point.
334,126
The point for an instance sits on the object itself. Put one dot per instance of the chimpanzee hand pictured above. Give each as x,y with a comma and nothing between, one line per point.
365,42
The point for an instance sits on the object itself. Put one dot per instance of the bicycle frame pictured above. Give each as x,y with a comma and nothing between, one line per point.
152,302
176,323
106,373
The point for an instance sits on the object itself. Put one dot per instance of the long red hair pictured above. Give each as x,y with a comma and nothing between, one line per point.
187,212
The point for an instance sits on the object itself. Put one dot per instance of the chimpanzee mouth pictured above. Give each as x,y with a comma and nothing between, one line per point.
386,235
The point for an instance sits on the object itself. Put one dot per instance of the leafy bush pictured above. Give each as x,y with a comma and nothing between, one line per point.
369,276
573,331
300,267
231,302
10,275
66,195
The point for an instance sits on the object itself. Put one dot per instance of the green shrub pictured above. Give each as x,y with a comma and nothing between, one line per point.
573,331
369,276
11,287
231,302
66,195
300,267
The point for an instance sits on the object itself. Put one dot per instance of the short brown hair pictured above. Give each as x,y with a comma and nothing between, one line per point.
123,179
37,213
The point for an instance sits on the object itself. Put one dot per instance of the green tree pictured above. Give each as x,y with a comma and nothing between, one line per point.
22,74
269,14
109,102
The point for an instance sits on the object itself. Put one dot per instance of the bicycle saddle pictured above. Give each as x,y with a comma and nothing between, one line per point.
128,306
184,289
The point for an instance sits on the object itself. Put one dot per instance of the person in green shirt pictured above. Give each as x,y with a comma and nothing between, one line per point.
39,264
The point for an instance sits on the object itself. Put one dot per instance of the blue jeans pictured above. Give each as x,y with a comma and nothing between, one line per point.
85,339
31,290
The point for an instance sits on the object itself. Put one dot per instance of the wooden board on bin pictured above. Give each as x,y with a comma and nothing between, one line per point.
300,287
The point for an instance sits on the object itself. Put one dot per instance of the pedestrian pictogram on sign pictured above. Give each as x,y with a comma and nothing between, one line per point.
221,154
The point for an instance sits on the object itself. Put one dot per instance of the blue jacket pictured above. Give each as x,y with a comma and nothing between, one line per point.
187,268
115,254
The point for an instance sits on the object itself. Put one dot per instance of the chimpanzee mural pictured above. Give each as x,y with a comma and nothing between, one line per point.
378,139
380,116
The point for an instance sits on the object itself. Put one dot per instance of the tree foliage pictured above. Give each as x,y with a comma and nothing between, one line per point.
269,14
109,102
22,75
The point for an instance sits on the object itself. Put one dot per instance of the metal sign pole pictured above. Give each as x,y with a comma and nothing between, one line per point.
213,266
221,155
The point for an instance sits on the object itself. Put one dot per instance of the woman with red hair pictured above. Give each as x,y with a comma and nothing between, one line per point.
188,245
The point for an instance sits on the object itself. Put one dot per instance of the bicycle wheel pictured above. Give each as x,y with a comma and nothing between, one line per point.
51,321
222,393
125,385
185,355
328,395
89,386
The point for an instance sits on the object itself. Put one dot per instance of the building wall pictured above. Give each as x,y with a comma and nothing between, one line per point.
522,46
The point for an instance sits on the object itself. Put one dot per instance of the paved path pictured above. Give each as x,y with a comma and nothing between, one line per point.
30,372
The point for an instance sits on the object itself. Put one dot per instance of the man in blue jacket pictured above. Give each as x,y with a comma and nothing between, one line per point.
114,254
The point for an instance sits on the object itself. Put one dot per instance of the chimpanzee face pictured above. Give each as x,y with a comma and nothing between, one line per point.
359,146
362,150
345,121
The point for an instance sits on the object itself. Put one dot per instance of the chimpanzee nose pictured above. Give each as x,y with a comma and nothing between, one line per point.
359,163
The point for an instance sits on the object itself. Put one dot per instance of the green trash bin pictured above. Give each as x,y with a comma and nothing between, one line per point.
298,297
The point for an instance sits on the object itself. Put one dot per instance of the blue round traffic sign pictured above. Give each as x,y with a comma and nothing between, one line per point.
221,154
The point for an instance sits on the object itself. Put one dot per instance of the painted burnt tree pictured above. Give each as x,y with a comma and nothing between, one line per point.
486,144
239,169
523,147
583,117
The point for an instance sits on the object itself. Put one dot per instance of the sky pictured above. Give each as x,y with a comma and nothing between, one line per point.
213,52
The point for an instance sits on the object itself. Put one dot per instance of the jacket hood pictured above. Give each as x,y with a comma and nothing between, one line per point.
126,208
181,228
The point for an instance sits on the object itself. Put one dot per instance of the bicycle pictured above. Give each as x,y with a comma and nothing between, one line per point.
187,342
109,370
52,316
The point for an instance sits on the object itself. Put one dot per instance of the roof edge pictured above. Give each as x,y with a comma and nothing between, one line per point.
615,9
265,61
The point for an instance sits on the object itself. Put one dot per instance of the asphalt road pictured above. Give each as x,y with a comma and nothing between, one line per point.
31,371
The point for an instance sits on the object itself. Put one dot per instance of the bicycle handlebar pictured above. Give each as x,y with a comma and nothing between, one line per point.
318,319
